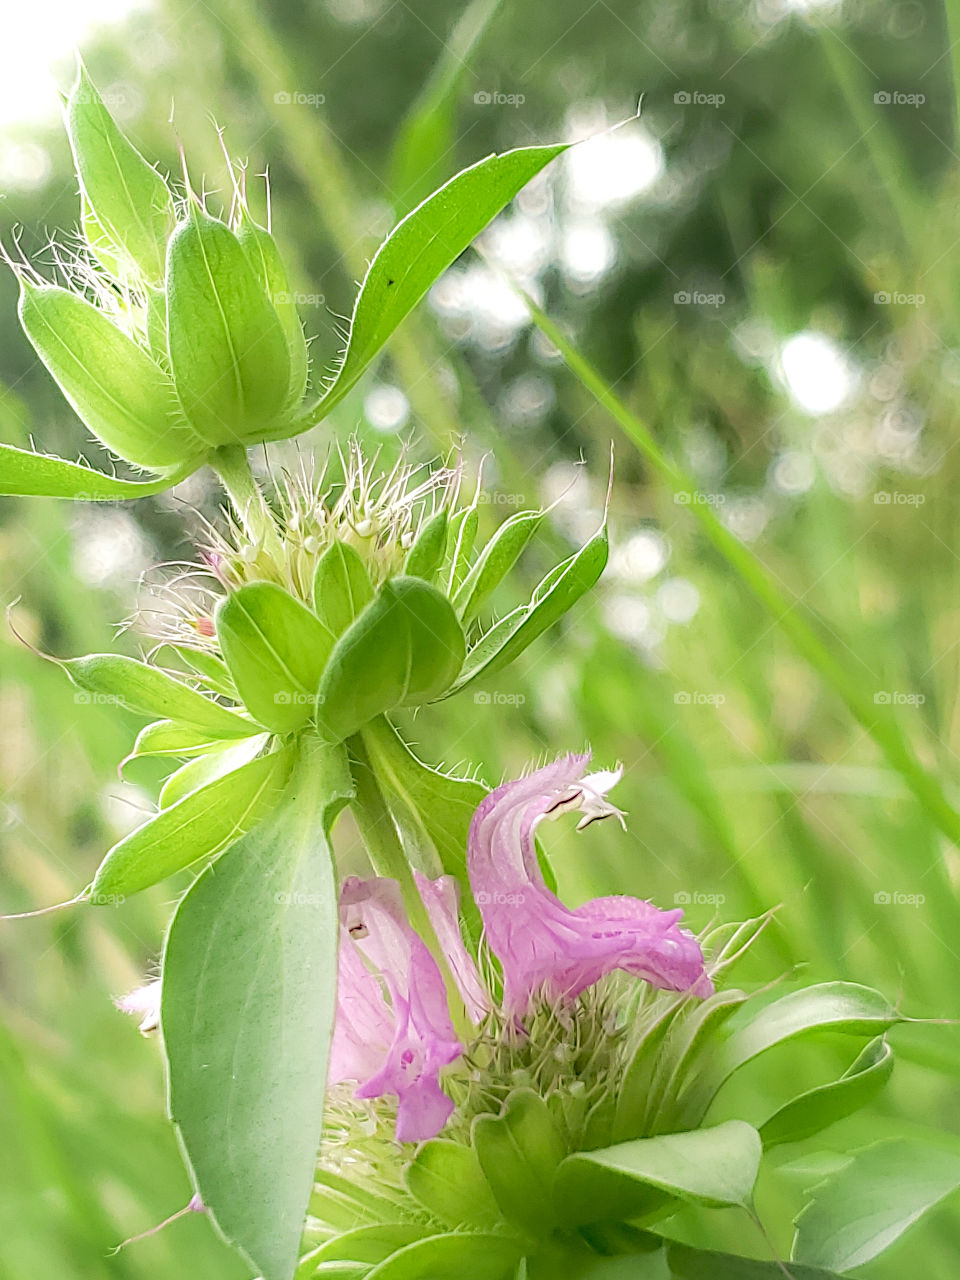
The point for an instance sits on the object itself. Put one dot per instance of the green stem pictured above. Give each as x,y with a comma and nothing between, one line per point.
233,468
379,834
786,613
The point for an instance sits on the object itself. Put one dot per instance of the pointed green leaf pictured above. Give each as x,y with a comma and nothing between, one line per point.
446,1178
228,351
370,1244
200,825
264,256
715,1167
114,678
420,248
112,384
276,650
862,1210
555,595
249,991
130,203
171,738
843,1007
817,1109
464,1255
341,587
495,561
426,554
405,648
196,773
519,1152
35,475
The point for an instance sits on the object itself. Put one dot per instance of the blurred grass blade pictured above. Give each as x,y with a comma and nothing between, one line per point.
426,135
791,615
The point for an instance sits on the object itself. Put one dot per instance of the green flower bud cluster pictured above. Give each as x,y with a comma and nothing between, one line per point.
364,600
180,334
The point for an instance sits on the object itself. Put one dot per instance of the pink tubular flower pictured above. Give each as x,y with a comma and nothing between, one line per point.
395,1038
543,945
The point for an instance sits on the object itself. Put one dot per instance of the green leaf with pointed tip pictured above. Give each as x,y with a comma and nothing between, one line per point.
426,554
341,587
264,256
862,1210
276,650
446,1178
249,992
460,541
196,773
112,677
442,804
843,1007
420,248
171,738
405,648
34,475
131,204
211,669
229,355
706,1264
716,1167
466,1255
519,1152
495,561
818,1108
556,594
200,825
371,1244
111,383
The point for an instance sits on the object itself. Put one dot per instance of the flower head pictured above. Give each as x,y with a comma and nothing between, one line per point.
544,946
395,1038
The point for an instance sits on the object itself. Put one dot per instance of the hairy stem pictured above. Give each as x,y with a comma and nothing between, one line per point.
232,465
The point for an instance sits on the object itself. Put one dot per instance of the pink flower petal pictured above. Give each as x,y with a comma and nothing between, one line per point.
543,945
393,1041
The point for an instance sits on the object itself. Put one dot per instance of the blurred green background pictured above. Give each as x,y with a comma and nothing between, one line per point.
765,267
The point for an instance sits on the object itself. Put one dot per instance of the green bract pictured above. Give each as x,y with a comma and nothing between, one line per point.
127,208
180,334
229,354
